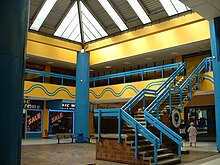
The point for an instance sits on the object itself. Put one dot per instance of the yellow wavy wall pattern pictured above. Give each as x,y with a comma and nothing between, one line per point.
43,90
208,81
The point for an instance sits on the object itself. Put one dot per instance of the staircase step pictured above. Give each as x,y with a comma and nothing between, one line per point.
169,161
163,156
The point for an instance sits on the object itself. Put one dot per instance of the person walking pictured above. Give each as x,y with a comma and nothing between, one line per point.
192,134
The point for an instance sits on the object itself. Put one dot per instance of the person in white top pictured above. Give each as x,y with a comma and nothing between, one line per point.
192,134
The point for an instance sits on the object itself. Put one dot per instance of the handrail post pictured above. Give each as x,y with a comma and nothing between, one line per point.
94,83
190,89
43,79
155,153
62,81
161,137
136,141
181,100
142,76
198,80
179,151
144,102
119,126
206,65
157,109
124,78
99,126
162,72
170,99
108,82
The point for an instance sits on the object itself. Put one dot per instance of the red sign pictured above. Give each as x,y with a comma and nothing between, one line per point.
57,117
34,118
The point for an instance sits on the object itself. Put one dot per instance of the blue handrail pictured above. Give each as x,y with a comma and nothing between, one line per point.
135,72
50,74
121,114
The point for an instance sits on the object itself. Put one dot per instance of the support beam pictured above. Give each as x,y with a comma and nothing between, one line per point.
13,32
82,96
215,47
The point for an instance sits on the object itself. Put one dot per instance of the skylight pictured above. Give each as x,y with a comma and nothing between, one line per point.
115,17
48,5
173,7
69,23
91,24
139,11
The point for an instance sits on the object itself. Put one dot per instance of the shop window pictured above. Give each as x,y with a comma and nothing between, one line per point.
34,121
60,122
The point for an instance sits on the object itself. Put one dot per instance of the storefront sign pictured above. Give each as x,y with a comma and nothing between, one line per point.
68,105
33,104
34,118
57,117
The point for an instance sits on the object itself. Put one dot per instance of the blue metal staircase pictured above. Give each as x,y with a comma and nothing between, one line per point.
145,131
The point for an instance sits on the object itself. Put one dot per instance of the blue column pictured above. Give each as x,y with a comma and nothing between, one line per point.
82,96
215,47
13,34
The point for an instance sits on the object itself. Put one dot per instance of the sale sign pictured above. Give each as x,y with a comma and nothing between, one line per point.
34,118
57,117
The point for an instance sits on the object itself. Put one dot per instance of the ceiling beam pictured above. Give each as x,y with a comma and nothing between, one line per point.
81,24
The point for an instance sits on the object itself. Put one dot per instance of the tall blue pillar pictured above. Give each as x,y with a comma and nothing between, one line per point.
13,34
82,97
215,47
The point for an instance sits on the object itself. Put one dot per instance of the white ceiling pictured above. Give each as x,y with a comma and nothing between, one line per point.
208,9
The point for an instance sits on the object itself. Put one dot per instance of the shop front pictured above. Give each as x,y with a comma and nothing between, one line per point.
61,120
32,118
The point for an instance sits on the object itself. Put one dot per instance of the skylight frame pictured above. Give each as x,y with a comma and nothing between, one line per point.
139,11
42,15
112,13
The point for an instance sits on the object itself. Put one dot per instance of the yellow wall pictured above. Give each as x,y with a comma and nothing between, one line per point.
208,81
43,90
179,31
124,91
47,47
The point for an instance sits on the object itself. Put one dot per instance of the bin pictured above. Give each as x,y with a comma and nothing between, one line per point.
80,137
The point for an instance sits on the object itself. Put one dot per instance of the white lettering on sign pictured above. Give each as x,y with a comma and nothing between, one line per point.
34,118
57,117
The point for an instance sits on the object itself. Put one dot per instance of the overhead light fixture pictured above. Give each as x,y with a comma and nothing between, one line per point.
174,53
139,11
48,5
27,58
148,58
126,63
50,62
91,70
108,67
115,17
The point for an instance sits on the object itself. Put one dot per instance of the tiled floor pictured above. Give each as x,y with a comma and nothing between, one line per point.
48,152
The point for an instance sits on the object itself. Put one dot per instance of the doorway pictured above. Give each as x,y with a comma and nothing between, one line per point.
204,120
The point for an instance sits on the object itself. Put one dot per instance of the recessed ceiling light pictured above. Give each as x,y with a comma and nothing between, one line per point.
91,70
174,53
126,63
148,58
50,62
108,67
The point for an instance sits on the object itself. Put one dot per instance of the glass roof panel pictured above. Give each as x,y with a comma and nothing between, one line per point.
139,11
44,11
115,17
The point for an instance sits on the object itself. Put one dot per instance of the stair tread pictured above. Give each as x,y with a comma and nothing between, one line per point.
161,156
168,161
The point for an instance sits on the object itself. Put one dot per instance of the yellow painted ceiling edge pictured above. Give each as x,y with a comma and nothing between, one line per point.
180,35
148,30
46,47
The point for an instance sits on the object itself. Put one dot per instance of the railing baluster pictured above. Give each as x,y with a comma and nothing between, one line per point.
136,141
170,99
119,126
155,153
181,100
99,126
